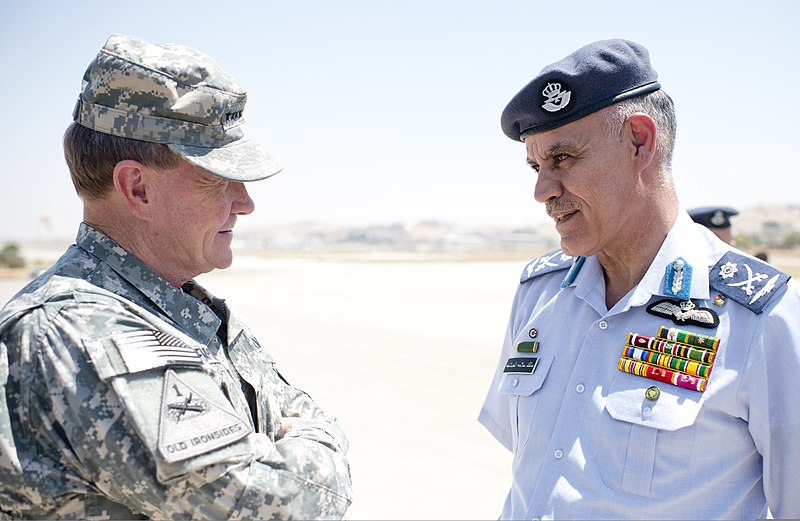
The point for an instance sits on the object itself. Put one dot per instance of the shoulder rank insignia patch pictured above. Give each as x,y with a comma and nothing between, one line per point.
191,425
553,261
684,312
747,280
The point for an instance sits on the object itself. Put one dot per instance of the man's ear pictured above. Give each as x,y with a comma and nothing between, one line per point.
131,182
643,139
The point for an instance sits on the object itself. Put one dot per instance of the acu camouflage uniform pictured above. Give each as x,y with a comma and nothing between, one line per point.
124,396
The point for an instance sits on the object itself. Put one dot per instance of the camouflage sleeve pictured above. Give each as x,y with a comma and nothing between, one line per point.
278,397
159,433
309,421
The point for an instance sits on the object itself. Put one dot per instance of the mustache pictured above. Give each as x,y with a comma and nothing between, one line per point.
560,206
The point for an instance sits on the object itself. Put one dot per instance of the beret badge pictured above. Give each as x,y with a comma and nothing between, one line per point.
555,99
718,219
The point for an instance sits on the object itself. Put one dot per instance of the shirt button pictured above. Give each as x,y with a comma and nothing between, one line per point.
580,388
558,454
515,382
603,324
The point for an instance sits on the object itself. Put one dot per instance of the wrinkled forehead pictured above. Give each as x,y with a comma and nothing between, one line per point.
571,138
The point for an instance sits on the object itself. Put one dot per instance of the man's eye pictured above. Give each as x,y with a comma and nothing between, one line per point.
560,157
534,166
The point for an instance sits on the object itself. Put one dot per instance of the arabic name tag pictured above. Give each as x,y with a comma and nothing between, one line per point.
521,365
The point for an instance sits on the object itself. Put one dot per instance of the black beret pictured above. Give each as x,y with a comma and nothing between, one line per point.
593,77
713,216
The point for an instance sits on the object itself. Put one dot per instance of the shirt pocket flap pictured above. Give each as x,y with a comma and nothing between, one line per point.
525,384
673,407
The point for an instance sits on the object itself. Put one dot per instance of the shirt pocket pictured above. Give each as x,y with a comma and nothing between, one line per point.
651,426
521,388
257,368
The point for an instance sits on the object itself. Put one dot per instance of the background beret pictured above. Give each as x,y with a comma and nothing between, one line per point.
593,77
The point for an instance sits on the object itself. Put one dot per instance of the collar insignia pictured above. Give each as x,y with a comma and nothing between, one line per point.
678,279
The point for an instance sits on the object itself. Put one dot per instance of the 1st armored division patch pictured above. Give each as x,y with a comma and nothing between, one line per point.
191,424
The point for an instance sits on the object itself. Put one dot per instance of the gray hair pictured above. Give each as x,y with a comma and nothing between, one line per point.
659,106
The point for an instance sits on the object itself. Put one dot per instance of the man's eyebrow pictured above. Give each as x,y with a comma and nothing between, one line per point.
559,147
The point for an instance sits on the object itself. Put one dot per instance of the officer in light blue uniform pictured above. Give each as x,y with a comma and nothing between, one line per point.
649,370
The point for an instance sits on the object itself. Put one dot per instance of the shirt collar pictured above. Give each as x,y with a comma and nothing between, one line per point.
190,314
684,240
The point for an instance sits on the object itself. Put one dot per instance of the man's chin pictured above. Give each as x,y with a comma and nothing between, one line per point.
222,262
572,248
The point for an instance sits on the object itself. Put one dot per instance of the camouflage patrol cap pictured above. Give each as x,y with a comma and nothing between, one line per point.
174,95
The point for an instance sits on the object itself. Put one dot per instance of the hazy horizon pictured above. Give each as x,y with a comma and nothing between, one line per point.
389,111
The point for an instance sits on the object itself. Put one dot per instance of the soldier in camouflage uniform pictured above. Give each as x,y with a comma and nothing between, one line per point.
128,390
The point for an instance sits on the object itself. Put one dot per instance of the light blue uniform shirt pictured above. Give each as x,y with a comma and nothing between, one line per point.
588,444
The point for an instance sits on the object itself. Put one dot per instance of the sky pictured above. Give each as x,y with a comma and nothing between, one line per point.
388,111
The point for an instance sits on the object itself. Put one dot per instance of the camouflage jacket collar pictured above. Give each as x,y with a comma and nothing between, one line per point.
186,311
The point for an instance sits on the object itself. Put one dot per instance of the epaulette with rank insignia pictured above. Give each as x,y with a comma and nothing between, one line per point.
549,262
747,280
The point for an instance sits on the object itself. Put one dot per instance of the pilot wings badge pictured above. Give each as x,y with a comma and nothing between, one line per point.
684,312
